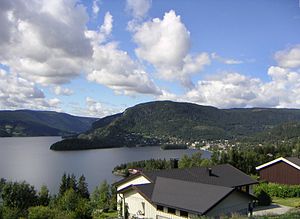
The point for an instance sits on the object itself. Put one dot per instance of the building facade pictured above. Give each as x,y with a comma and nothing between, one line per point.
185,193
281,170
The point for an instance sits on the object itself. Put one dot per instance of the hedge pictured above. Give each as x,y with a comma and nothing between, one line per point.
278,190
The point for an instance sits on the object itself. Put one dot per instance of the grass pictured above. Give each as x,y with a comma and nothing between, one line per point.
112,214
291,202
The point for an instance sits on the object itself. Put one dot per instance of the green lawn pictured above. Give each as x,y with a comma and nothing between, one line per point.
292,202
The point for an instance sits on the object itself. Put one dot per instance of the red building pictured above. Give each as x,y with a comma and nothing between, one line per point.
281,170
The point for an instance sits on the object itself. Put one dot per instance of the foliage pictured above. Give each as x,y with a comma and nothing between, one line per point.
40,123
152,164
19,195
168,122
261,193
83,188
74,204
100,198
279,190
195,160
44,196
12,213
40,212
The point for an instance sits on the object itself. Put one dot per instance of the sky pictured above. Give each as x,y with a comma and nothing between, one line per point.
99,57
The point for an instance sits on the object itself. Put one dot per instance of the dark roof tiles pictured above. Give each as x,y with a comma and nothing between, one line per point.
222,175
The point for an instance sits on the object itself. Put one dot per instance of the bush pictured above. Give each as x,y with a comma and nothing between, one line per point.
40,212
264,198
279,190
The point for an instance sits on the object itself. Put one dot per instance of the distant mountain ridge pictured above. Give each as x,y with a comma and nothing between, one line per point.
166,121
41,123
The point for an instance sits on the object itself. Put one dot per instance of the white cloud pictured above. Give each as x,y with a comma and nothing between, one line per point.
58,90
225,60
99,109
138,8
44,41
95,7
107,25
289,58
115,69
16,93
165,44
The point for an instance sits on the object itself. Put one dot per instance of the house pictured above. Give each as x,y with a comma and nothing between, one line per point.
185,193
281,170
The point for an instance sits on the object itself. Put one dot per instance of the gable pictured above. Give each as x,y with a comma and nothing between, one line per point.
278,160
138,180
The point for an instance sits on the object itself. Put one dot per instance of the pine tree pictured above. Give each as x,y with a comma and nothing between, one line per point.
73,183
63,185
44,197
83,188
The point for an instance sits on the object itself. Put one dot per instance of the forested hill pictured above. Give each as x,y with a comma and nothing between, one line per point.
41,123
165,121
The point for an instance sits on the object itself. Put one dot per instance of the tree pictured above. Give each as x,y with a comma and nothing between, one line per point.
40,212
63,185
100,198
19,195
72,182
83,188
44,197
113,199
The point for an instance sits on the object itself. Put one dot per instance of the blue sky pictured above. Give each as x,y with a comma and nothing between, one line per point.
99,57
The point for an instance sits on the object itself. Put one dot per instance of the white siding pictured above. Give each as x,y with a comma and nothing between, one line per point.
134,201
136,181
235,202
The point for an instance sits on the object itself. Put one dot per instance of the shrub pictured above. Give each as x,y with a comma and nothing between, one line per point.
264,198
279,190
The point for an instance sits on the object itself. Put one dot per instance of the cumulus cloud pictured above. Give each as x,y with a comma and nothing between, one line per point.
16,93
95,7
138,8
225,60
98,109
44,41
289,58
165,44
58,90
114,68
107,25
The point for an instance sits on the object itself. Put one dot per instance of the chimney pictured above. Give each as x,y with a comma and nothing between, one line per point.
209,171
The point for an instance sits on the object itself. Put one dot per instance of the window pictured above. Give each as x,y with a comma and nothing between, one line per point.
160,208
171,211
184,214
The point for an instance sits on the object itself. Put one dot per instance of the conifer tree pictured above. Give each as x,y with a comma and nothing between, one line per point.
83,188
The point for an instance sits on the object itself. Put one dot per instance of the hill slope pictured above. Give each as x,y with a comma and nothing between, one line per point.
165,121
41,123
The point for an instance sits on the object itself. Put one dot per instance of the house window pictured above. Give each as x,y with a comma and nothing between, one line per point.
171,211
160,208
184,214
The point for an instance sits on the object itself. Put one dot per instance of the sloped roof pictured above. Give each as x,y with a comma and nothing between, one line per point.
194,197
293,161
222,175
188,196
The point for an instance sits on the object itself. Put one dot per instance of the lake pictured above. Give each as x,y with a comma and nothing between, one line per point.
29,159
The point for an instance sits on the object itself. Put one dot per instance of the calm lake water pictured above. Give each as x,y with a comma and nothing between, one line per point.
30,159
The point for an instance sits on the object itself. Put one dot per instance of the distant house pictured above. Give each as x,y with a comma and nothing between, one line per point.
281,170
185,193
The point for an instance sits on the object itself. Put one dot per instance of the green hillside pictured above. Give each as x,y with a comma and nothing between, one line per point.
165,121
41,123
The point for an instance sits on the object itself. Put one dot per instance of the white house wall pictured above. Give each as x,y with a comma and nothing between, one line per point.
134,201
235,202
136,181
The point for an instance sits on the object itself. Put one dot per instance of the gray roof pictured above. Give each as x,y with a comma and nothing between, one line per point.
188,196
222,175
294,160
192,189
